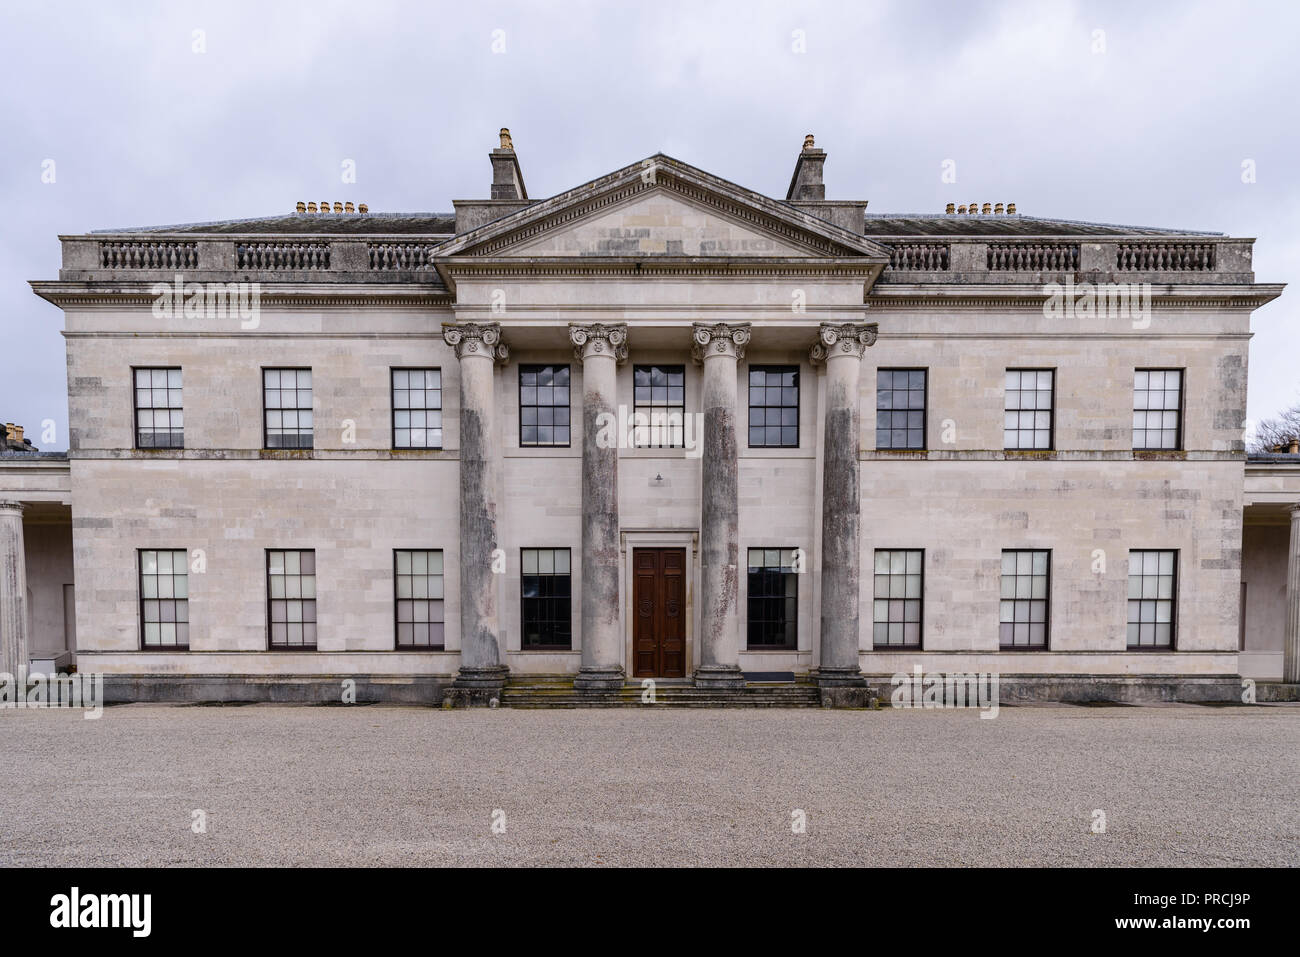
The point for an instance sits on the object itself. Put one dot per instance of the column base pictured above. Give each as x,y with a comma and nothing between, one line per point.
838,678
477,687
719,676
599,679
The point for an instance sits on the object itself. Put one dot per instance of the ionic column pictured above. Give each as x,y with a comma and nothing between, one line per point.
840,347
479,348
601,349
719,347
1291,640
13,590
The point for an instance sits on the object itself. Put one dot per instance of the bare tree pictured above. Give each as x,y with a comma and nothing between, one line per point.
1274,434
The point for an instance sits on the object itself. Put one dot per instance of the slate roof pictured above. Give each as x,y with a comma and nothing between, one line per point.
880,226
317,224
884,225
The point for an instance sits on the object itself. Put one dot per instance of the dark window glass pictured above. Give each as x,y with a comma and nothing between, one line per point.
773,598
774,407
545,598
1157,408
1025,591
1152,587
1027,422
899,584
543,405
159,417
417,408
900,408
287,401
164,598
417,584
659,406
291,598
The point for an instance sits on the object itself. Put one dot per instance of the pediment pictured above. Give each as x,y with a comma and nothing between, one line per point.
658,222
661,208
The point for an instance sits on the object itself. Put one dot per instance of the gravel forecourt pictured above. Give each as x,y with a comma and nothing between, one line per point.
1179,785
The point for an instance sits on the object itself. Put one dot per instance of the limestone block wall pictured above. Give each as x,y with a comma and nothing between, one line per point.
1263,572
48,554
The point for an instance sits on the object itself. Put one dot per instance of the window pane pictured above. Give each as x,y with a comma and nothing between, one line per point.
900,389
1025,591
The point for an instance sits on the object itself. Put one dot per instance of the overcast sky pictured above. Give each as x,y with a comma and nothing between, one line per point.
144,130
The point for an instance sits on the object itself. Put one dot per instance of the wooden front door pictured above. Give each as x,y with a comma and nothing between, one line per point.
659,600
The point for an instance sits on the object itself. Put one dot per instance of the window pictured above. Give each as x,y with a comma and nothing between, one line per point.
291,599
417,408
1152,586
659,406
773,598
287,395
774,407
544,589
543,405
1157,408
1028,421
1024,599
900,408
164,598
899,585
159,419
417,583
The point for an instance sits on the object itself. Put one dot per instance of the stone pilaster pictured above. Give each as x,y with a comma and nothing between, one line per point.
479,348
840,347
1291,640
601,348
719,347
13,590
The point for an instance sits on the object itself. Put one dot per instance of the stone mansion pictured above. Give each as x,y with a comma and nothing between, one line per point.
656,426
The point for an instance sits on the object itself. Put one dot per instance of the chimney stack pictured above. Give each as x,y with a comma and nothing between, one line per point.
507,177
806,184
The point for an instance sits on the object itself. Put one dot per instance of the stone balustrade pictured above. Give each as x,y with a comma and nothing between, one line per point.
916,259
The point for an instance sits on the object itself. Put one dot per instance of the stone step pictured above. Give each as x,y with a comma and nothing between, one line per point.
560,694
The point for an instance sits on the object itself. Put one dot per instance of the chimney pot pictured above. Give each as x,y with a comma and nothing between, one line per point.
997,209
311,207
808,142
973,208
988,208
962,209
950,208
1293,448
1011,209
325,207
349,208
363,208
338,207
301,207
506,142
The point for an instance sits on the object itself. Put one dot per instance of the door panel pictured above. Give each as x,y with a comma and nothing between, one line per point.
659,625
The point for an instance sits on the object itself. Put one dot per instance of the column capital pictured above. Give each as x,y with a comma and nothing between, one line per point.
7,505
476,339
599,339
719,339
842,339
1294,509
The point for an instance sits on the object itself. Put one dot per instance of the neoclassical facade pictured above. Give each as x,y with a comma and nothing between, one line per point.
656,426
